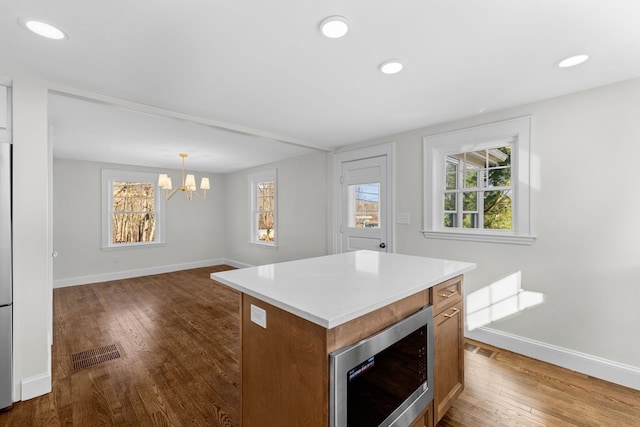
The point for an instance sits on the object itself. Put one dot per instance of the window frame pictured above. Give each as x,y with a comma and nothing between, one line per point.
436,149
254,180
108,178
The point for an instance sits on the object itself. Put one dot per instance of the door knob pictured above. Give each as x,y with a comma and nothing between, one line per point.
382,245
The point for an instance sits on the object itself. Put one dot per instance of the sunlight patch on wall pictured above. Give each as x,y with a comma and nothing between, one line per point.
499,300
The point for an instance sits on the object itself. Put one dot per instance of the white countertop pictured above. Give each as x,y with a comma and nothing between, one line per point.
334,289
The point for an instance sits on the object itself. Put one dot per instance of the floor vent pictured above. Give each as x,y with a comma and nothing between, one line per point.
480,350
95,356
486,352
470,347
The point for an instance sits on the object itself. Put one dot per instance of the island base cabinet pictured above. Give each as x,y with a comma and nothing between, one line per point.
448,333
284,358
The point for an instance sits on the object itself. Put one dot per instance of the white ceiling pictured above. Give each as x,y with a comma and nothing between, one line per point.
262,68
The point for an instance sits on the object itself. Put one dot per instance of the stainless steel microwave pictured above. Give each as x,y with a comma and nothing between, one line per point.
384,380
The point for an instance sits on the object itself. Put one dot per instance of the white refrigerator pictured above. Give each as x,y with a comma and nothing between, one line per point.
6,276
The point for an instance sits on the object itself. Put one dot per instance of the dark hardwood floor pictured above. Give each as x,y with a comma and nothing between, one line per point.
508,389
177,336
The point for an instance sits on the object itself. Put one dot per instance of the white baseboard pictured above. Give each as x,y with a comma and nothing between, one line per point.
608,370
128,274
35,386
237,264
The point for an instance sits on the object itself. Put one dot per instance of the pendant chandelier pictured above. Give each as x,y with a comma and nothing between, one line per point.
188,184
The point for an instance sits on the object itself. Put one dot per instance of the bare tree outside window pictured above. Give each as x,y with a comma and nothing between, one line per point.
266,203
263,216
133,212
365,201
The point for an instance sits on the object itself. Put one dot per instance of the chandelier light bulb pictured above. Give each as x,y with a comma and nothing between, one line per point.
188,186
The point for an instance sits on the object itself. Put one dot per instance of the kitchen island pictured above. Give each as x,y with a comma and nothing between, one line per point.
293,314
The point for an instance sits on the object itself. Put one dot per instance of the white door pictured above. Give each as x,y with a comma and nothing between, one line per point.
364,214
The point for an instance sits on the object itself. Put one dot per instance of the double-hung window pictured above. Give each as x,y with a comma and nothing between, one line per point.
263,203
477,183
478,189
133,209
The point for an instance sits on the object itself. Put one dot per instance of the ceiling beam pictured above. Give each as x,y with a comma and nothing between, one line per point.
162,112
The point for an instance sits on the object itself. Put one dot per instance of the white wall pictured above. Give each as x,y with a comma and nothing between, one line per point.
195,230
585,203
302,212
31,257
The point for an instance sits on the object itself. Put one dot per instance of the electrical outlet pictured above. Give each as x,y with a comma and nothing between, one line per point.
259,316
403,218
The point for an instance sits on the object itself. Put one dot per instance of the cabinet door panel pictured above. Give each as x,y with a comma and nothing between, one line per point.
449,359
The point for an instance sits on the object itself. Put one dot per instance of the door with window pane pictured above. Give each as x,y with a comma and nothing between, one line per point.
364,198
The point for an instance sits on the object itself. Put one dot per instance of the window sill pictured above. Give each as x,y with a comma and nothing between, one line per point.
261,243
511,239
132,246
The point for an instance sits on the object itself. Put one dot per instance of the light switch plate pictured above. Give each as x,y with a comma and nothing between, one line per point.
403,218
258,316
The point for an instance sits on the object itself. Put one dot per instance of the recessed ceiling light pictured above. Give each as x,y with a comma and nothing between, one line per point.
391,66
334,26
43,29
573,61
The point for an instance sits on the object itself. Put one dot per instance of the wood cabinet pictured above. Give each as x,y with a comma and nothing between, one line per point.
284,366
448,334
